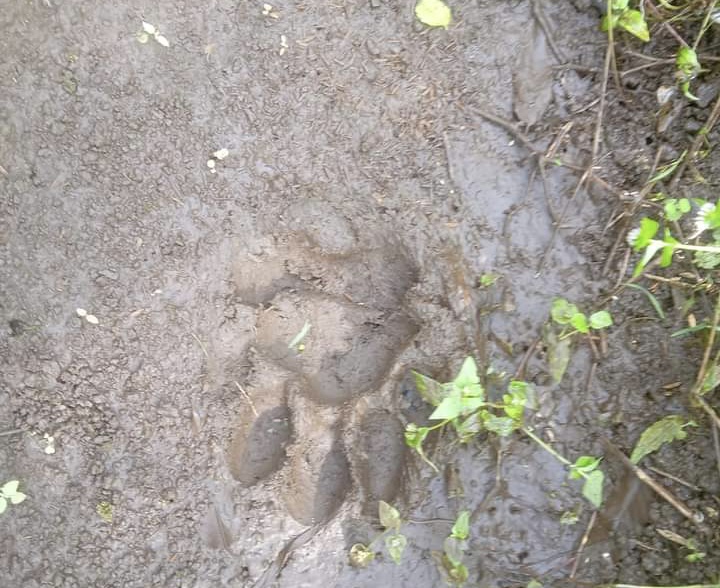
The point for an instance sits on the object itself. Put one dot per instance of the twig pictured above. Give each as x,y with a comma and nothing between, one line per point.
201,345
708,410
583,543
12,432
674,479
646,479
545,26
603,91
716,445
247,397
702,372
695,147
706,22
581,182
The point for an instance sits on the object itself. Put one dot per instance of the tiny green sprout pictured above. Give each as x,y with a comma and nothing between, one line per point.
564,313
396,544
105,510
151,31
461,528
361,556
569,518
487,280
9,493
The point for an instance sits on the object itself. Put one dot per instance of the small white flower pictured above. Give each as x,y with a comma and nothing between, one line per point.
81,312
221,154
148,28
632,236
701,224
92,319
162,40
211,165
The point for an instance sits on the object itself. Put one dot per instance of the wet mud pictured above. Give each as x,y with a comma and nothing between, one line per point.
241,402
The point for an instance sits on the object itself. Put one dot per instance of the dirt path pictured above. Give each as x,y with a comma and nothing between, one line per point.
362,197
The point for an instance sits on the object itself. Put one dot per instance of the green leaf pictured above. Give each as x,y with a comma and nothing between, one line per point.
458,573
619,5
593,488
454,549
600,319
707,259
431,391
562,312
389,516
712,217
450,408
468,375
361,556
668,249
17,498
583,466
652,248
502,426
396,544
461,528
558,355
414,435
9,488
3,505
514,403
579,322
656,435
648,229
634,23
468,428
434,13
534,584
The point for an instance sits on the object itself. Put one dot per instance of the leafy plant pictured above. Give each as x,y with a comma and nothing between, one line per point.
451,558
566,314
9,493
621,16
644,239
463,405
572,321
395,542
688,68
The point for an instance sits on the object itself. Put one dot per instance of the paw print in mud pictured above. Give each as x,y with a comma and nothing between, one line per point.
319,414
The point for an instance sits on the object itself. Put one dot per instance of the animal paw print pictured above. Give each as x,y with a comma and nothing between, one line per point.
330,328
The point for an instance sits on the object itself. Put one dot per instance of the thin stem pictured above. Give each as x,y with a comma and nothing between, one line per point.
697,391
706,248
705,23
546,447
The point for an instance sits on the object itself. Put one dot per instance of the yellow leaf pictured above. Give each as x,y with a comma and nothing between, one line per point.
434,13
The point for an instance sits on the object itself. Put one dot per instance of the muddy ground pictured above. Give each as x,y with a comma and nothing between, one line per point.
363,195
